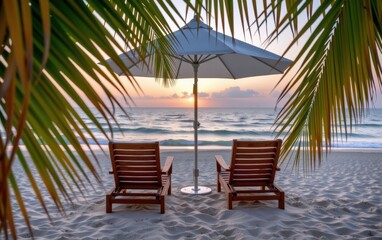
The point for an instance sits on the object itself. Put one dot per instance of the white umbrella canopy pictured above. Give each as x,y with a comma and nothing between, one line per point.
226,57
201,52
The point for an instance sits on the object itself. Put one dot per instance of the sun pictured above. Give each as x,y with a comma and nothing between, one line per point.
188,101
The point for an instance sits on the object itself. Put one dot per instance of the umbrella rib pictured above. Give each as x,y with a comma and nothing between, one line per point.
184,59
197,58
135,64
226,67
208,58
272,67
178,70
201,59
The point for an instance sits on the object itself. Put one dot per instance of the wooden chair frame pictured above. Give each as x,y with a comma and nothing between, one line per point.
252,172
138,176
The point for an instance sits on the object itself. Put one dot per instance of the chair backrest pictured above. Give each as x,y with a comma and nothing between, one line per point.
136,165
254,163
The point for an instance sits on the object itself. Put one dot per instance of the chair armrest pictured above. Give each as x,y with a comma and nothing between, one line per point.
277,187
278,169
221,162
167,168
111,171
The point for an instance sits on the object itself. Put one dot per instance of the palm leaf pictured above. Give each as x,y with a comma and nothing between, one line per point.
338,74
50,52
49,56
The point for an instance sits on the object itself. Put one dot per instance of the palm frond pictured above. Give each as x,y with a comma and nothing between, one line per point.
49,71
338,74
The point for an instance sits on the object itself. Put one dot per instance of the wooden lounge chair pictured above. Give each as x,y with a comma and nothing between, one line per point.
138,176
252,172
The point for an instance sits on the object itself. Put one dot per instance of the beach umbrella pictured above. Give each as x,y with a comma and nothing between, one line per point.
200,52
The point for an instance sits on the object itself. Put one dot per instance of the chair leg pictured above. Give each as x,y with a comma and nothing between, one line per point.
219,188
282,201
229,201
169,188
109,207
162,205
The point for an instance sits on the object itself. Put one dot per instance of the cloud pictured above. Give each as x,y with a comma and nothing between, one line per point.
176,96
145,97
186,95
167,97
276,95
203,95
235,92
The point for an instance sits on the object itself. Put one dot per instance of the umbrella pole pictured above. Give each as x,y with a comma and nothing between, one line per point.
196,189
196,127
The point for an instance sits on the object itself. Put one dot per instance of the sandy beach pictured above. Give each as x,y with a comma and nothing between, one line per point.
340,200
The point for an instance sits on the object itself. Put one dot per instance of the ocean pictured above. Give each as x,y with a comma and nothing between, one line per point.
173,127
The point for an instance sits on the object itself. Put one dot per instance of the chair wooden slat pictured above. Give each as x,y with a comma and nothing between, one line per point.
136,173
152,179
253,166
136,194
136,168
245,183
257,144
137,183
256,152
136,163
134,188
252,176
135,157
253,171
254,161
132,146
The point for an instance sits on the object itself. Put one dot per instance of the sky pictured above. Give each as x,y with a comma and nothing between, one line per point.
248,92
241,93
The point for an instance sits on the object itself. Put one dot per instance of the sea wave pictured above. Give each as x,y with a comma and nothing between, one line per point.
355,145
237,132
175,116
186,121
144,130
184,142
218,126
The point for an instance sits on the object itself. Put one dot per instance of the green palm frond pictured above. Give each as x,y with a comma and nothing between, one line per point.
338,73
49,69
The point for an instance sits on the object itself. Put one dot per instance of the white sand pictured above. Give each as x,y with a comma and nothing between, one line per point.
340,200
